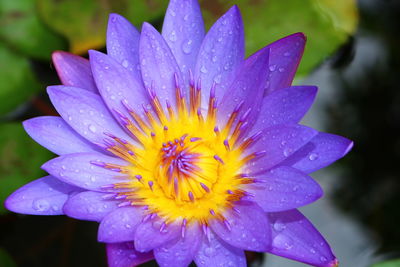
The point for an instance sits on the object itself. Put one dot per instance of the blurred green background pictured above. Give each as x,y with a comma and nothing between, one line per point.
366,106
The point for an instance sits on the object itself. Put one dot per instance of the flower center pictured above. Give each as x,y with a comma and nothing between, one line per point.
182,166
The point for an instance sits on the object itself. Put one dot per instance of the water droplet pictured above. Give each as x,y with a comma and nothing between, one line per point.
272,67
93,178
282,242
187,46
125,63
186,17
279,226
172,36
281,69
209,252
203,69
41,205
312,251
92,128
323,259
214,59
217,79
287,152
313,156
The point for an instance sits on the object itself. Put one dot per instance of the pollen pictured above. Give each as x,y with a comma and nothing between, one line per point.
181,165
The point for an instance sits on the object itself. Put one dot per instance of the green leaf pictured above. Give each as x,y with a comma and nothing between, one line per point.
390,263
326,23
20,159
18,83
84,22
22,30
6,260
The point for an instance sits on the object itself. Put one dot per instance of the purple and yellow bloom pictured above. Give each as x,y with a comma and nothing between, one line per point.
182,149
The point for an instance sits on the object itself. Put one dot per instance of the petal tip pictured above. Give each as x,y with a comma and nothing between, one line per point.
334,263
349,147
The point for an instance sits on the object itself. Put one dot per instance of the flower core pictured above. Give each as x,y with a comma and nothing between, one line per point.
182,166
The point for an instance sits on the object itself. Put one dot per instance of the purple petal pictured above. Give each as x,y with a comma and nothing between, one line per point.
247,88
79,169
116,84
125,255
85,112
180,252
321,151
221,53
44,196
215,252
248,228
123,43
55,135
158,65
285,106
90,206
284,60
183,29
279,142
285,188
74,70
148,235
120,225
294,237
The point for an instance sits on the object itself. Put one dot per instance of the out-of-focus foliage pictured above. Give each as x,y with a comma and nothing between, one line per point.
390,263
17,81
84,22
326,23
6,260
21,29
20,159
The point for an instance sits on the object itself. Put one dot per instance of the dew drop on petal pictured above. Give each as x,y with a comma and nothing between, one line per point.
313,156
272,67
41,205
172,36
92,128
282,242
279,226
287,152
203,69
125,63
209,252
187,46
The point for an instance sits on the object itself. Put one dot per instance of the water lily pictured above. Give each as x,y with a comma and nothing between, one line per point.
182,149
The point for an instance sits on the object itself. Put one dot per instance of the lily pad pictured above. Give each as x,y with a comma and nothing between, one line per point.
326,23
6,260
20,159
390,263
18,83
22,30
84,22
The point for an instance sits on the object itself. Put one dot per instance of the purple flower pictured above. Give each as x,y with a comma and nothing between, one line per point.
182,149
